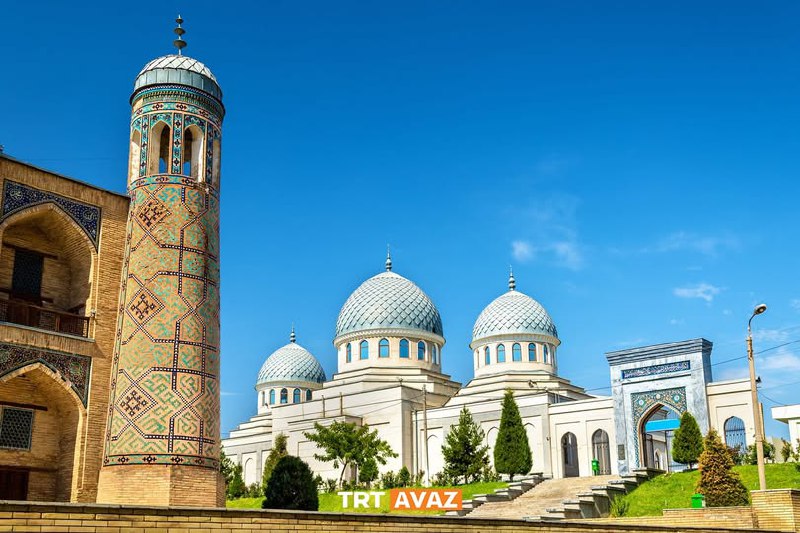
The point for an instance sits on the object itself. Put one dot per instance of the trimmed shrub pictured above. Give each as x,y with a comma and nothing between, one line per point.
688,442
721,486
291,486
278,450
512,453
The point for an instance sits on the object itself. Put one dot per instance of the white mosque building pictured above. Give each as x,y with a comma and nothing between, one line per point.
389,343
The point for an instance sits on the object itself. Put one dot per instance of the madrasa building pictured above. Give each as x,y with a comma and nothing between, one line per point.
389,344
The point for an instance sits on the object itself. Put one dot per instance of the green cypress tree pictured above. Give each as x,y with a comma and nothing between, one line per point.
721,486
291,486
512,453
278,450
688,442
464,453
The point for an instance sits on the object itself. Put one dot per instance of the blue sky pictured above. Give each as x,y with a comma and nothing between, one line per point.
635,161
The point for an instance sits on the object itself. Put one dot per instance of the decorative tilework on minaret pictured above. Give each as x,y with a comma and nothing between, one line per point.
164,419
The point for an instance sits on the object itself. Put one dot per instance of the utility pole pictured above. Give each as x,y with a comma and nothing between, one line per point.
425,434
762,478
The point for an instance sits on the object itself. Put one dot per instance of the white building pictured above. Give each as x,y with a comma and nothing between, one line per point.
389,343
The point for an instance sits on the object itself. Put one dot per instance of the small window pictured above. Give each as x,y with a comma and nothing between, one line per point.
404,349
349,352
487,357
363,350
545,353
284,396
296,396
383,348
215,160
308,395
435,354
421,350
165,144
531,352
16,428
516,352
272,396
501,353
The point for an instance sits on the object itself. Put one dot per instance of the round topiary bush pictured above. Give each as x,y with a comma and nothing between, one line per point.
291,486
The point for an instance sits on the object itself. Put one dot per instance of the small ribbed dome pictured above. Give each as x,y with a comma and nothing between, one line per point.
388,300
178,70
513,312
291,363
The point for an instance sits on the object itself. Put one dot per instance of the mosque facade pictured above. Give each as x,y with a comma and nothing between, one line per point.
389,345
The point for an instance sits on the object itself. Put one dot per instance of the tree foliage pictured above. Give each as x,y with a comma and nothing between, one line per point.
346,444
721,486
291,486
368,472
751,457
278,450
512,453
225,467
236,487
688,442
465,455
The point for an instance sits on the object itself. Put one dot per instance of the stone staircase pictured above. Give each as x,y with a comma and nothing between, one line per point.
559,499
514,490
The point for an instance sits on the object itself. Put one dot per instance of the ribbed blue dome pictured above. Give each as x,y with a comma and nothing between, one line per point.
291,363
388,300
513,312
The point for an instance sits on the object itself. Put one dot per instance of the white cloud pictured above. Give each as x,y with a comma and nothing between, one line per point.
676,322
522,251
727,312
795,304
706,245
784,362
704,291
735,372
770,335
225,393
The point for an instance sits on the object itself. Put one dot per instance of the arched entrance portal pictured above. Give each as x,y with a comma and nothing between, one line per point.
569,454
601,452
655,437
40,421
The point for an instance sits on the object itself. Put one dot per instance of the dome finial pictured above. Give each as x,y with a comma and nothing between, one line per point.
292,336
179,43
512,283
388,259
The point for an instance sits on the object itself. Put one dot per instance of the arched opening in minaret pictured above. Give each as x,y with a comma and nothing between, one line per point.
135,154
159,154
192,163
215,161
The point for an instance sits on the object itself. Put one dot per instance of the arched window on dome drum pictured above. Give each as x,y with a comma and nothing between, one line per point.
383,348
284,396
136,155
363,350
272,396
531,352
296,396
349,350
421,350
215,160
546,353
159,153
192,149
308,395
516,352
404,349
501,353
487,356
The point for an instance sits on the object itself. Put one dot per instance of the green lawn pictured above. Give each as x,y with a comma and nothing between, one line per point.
332,503
673,491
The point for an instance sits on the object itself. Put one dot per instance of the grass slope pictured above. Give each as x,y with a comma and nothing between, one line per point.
674,491
332,503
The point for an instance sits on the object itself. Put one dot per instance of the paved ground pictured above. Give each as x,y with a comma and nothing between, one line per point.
536,501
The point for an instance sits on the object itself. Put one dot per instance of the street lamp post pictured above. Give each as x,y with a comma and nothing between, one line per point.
762,478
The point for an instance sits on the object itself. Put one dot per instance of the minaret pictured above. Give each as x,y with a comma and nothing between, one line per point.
163,431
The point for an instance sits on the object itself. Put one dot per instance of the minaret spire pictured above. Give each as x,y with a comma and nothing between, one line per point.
512,283
388,259
179,43
292,336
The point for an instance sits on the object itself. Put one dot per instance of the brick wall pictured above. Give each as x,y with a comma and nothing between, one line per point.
730,517
112,519
777,509
166,485
96,283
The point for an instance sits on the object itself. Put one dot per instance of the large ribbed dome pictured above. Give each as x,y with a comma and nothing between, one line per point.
291,363
513,312
388,300
178,70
